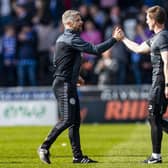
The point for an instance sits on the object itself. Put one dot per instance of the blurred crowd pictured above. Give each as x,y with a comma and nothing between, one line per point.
29,29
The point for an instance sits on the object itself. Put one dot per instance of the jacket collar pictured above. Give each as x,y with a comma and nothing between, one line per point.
71,31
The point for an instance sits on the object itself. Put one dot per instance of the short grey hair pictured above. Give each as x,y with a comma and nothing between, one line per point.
69,15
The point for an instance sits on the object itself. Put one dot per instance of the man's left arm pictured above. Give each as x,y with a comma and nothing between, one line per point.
84,46
164,55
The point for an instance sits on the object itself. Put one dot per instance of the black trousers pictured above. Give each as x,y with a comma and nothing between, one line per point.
157,107
69,109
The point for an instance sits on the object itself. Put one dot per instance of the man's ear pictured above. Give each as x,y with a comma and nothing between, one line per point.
69,23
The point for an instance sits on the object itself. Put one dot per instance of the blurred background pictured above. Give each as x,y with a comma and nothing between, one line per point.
118,80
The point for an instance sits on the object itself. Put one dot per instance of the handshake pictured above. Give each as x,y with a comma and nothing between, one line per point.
118,34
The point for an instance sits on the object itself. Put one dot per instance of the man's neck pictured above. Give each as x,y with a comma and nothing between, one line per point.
159,28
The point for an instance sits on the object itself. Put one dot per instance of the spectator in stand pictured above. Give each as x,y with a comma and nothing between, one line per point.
130,21
29,5
5,12
142,15
146,69
91,35
1,65
98,16
113,20
9,49
141,34
57,32
46,34
22,16
108,3
106,69
84,10
87,70
115,15
56,9
121,54
27,53
40,6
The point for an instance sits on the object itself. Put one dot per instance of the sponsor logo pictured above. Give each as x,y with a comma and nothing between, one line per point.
150,107
24,111
72,101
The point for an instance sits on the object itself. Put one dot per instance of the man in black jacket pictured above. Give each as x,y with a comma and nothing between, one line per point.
67,60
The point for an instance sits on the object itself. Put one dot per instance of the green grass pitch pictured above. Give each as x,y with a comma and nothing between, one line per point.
113,145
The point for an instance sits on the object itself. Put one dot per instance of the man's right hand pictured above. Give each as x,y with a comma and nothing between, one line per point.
118,33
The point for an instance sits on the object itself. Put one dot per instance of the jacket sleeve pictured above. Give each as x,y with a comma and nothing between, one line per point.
83,46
